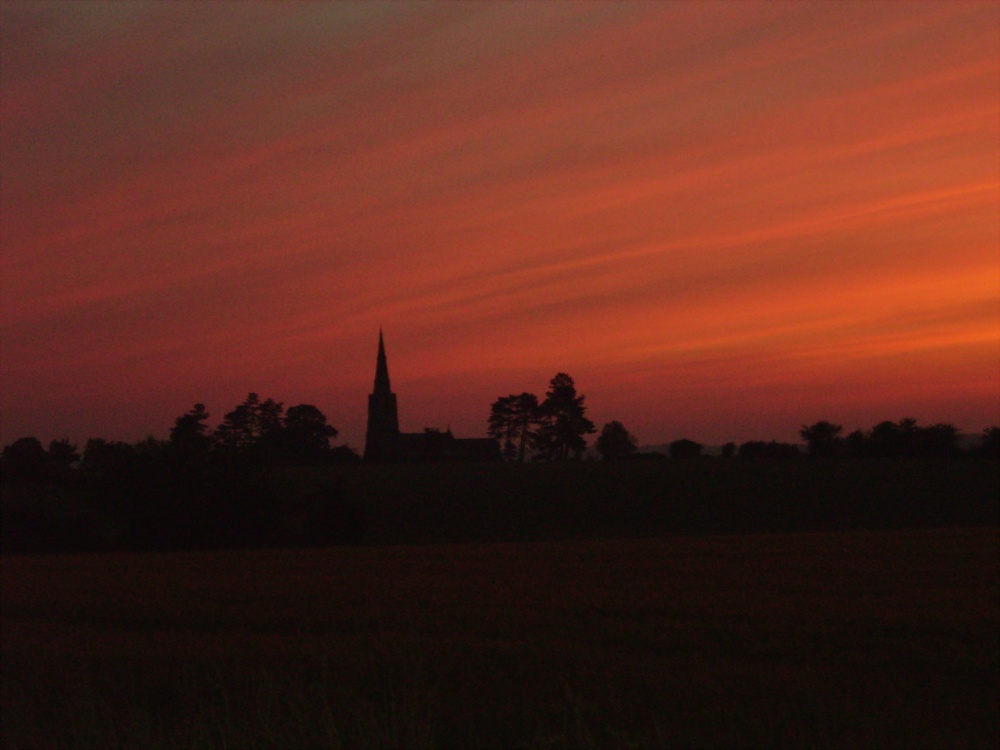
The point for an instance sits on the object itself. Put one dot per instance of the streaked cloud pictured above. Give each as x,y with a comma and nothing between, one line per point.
200,200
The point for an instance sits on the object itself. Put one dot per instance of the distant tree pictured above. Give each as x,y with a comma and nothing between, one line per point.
685,448
940,440
189,437
563,425
253,425
823,438
772,449
886,439
306,435
526,415
512,421
149,449
856,444
752,449
906,439
729,450
615,442
107,457
501,426
909,435
63,454
25,459
991,442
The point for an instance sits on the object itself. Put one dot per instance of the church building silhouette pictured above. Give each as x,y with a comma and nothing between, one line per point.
384,443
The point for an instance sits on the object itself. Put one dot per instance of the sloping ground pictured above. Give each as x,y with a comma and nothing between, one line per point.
843,639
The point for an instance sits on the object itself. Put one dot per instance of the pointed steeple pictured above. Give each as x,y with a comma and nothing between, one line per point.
381,368
382,435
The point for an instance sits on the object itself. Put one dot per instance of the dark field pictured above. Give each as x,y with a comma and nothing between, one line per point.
253,506
600,500
824,639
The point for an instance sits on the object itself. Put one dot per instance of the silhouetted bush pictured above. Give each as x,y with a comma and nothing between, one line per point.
772,449
905,439
823,439
615,442
685,448
24,459
990,446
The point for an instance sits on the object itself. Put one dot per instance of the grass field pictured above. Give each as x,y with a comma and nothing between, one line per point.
831,639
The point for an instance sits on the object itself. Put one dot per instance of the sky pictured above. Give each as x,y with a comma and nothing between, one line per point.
722,220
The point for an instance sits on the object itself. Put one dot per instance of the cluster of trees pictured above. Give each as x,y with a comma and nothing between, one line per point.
901,439
904,438
256,430
199,488
262,430
553,429
556,429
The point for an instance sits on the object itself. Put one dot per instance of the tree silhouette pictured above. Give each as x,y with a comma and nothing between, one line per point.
823,438
939,440
110,458
906,439
63,454
856,444
25,458
615,442
887,439
991,442
306,436
512,419
189,436
772,449
563,424
685,448
253,425
501,426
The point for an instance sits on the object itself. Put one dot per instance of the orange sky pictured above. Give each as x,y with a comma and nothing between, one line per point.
723,220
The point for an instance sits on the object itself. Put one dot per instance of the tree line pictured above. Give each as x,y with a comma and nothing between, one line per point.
200,488
556,427
255,431
887,439
209,488
901,439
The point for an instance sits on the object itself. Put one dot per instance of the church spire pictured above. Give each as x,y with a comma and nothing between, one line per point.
381,368
382,436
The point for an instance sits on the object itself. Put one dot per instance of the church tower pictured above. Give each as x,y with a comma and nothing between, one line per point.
383,420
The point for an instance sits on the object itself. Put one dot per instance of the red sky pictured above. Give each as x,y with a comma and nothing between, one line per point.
723,220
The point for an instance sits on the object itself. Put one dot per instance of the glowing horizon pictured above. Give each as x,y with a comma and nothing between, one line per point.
723,220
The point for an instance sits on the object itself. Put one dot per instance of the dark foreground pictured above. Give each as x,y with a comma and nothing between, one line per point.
246,505
829,639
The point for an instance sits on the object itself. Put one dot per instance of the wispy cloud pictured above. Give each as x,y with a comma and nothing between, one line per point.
204,194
